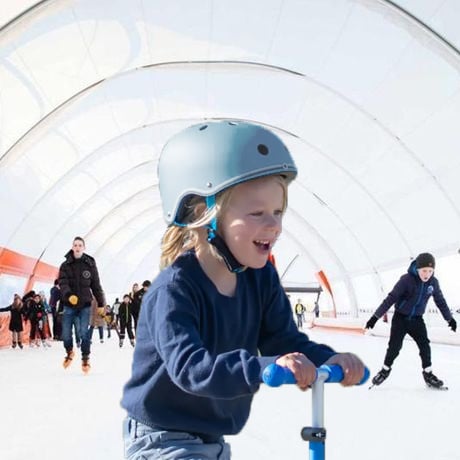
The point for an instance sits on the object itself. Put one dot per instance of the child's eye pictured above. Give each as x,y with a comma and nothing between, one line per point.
256,213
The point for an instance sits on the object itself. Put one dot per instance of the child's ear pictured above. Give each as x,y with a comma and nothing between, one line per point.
199,210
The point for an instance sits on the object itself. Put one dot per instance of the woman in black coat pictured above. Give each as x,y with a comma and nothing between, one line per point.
16,327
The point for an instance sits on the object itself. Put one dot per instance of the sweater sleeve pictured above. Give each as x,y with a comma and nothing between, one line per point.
440,301
396,294
64,282
188,361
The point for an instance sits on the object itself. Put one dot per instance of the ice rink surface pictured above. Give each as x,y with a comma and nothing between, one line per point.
48,413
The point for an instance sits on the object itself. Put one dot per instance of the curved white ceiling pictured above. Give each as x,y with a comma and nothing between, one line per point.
366,93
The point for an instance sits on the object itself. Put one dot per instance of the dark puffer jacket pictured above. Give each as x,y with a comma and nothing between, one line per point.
81,278
410,296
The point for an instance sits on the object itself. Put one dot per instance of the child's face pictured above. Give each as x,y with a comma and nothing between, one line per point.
425,273
252,220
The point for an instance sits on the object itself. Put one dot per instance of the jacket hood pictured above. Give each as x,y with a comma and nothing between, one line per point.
412,270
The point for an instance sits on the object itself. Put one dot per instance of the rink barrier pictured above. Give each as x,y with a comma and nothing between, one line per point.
437,333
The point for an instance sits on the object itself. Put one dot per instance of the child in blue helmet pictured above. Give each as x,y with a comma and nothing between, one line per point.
216,315
410,296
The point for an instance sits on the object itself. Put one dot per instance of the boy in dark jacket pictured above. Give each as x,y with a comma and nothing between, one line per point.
79,281
410,296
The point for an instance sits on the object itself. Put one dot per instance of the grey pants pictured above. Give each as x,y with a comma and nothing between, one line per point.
144,443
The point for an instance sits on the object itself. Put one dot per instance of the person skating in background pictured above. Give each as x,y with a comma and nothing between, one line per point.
55,297
137,301
97,321
132,296
410,296
316,309
15,326
217,314
299,312
36,315
125,320
48,311
79,282
109,319
115,308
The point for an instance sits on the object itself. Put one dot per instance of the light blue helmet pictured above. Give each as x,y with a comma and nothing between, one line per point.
206,158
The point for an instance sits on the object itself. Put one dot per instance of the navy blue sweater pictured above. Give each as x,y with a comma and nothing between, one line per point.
199,354
410,296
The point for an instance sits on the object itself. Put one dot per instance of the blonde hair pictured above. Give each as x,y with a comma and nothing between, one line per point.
178,239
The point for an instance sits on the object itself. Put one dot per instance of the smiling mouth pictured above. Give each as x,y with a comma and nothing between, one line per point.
263,244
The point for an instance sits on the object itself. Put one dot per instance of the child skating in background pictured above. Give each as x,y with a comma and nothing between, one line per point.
410,296
217,314
15,326
125,319
36,314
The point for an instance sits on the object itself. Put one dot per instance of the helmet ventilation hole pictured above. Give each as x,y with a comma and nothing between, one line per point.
202,128
262,149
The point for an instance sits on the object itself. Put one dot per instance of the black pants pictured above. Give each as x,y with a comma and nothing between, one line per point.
126,326
415,327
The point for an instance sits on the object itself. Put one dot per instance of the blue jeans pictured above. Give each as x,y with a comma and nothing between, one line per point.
145,443
80,318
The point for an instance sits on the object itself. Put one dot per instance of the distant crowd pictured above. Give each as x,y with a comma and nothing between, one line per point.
37,320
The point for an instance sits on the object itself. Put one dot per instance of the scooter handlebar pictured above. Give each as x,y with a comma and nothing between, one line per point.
274,375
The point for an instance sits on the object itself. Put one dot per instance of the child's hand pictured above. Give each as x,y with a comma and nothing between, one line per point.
303,369
352,366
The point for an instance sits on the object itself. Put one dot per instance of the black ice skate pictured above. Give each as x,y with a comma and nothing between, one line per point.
380,377
433,382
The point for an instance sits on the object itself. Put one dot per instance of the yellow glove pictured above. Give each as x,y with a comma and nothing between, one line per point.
101,311
73,299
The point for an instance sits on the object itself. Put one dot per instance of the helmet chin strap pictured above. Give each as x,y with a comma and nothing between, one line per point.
218,242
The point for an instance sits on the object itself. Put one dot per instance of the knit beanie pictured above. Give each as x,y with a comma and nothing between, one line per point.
424,260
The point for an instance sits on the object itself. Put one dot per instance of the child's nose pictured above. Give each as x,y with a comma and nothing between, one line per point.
273,222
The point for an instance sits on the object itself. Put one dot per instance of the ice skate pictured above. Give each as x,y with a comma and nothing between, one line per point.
68,359
132,342
433,382
380,377
121,343
20,345
85,366
14,345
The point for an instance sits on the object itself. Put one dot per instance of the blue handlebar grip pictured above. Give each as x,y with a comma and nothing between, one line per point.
274,375
367,374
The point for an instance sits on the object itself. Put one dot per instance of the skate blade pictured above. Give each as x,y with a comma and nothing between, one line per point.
443,388
85,369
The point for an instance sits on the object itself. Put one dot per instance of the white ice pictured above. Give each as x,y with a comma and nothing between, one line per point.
48,413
